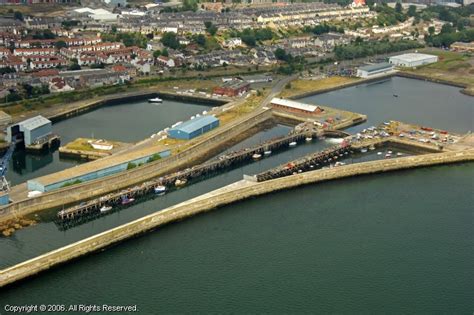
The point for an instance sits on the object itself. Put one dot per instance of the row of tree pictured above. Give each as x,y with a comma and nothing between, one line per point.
359,48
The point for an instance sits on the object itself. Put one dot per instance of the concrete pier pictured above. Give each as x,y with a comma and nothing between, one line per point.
226,195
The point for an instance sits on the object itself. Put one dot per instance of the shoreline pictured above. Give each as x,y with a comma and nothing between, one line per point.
229,194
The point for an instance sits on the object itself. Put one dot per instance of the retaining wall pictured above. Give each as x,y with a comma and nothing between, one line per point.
232,193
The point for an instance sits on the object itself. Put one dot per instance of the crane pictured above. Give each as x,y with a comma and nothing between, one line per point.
4,186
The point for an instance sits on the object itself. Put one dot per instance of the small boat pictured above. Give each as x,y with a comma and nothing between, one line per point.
379,153
105,208
292,144
126,200
256,156
155,100
308,139
363,150
268,152
160,189
399,154
180,182
387,156
339,164
389,152
395,95
372,147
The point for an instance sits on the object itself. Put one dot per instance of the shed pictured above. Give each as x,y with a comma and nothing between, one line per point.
375,69
194,127
413,60
30,130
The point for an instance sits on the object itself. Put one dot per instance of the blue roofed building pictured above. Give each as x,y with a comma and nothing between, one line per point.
194,127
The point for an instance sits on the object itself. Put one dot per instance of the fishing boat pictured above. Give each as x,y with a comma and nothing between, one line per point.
268,152
256,156
105,208
308,139
180,182
379,153
363,150
155,100
126,200
292,144
160,189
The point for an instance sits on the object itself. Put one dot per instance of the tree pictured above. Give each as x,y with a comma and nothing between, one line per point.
398,7
447,28
60,44
170,40
431,30
249,40
200,40
210,28
411,10
157,53
164,52
281,54
17,15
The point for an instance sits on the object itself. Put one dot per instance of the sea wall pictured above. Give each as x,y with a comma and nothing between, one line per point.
229,194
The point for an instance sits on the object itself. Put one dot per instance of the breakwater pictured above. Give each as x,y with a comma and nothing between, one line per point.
225,195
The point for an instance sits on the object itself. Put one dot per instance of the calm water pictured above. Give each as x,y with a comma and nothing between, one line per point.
418,102
393,243
128,122
390,243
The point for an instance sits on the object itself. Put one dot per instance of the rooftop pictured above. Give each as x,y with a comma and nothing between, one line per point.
296,105
34,122
413,56
377,66
195,124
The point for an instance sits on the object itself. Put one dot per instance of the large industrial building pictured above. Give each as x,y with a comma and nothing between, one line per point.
413,60
30,130
194,127
232,88
375,70
295,107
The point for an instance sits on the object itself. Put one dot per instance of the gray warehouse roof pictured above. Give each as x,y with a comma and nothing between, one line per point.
377,66
34,122
195,124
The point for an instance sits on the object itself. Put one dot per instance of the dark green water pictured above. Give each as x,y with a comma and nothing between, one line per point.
391,243
394,243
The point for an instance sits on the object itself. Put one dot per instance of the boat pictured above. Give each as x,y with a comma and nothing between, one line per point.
363,150
372,147
105,208
399,154
126,200
308,139
160,189
379,153
292,144
180,182
155,100
268,152
339,164
389,152
395,95
388,155
256,156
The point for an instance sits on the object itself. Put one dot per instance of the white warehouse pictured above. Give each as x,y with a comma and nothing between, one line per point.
413,60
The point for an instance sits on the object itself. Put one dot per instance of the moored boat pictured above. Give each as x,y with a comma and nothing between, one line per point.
105,208
126,200
256,156
363,150
292,144
180,182
308,139
160,189
155,100
268,152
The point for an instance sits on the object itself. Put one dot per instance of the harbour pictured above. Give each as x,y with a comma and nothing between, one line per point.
183,191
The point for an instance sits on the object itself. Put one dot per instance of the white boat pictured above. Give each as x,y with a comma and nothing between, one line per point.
160,189
372,147
379,153
155,100
363,150
308,139
256,156
180,182
388,155
339,164
399,154
105,208
268,152
292,144
389,152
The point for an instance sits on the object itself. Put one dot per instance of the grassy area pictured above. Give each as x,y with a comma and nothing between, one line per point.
248,105
298,87
452,66
35,9
82,144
